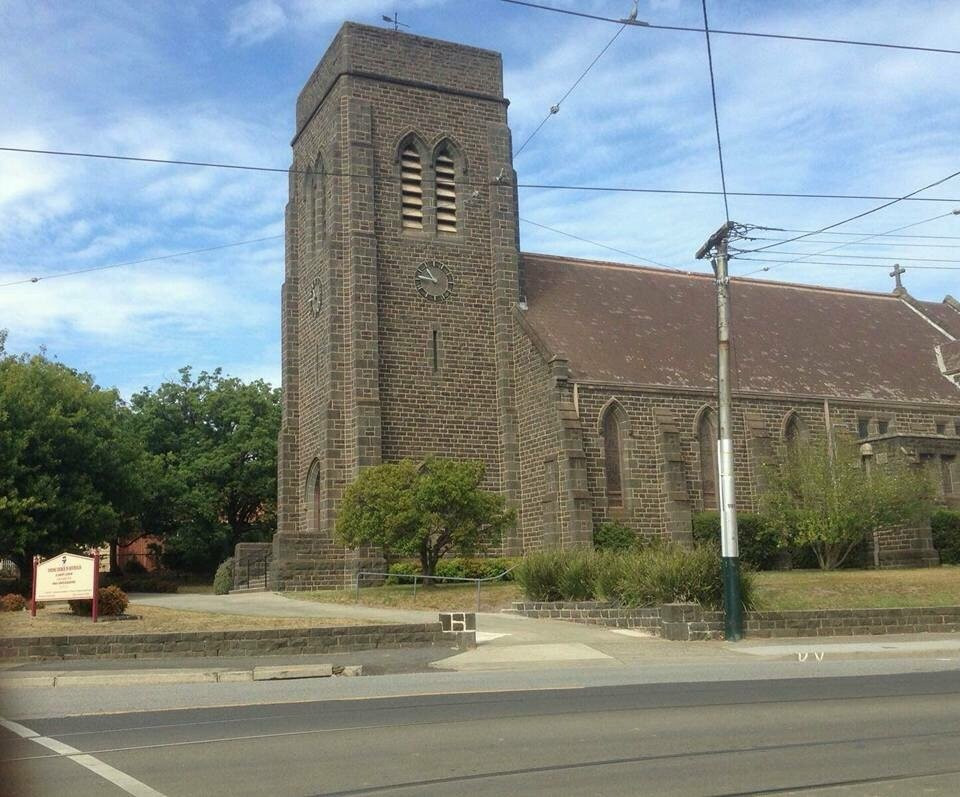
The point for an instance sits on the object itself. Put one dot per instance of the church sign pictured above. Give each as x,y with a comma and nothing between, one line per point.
66,577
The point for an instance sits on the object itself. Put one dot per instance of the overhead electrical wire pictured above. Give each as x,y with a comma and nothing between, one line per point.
544,186
716,116
555,108
870,257
838,265
854,243
59,274
865,213
752,34
843,244
602,246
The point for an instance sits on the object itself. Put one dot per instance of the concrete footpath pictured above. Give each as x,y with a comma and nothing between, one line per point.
506,642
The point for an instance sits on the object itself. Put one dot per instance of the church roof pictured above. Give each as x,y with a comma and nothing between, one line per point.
631,325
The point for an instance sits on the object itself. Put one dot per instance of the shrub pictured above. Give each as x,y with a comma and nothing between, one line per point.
12,602
758,540
652,576
142,584
609,572
403,568
223,578
614,536
945,524
134,568
670,574
578,575
111,601
539,575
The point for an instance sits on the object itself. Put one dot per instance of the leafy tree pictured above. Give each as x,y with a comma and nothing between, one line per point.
427,511
70,470
212,465
833,504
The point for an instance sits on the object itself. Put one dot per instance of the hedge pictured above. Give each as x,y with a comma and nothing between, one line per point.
652,576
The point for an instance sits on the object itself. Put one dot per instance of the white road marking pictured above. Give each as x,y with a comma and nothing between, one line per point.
631,632
124,781
18,729
488,636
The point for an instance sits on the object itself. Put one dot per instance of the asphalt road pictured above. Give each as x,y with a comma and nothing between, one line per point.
866,735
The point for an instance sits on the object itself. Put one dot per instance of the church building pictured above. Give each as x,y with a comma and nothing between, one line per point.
414,325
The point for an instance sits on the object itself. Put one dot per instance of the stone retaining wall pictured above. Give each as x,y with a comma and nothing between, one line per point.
259,642
688,621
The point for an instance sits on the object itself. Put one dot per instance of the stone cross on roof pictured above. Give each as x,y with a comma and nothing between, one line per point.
897,271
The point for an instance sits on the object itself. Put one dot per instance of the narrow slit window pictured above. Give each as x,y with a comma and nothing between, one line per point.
446,193
411,182
612,462
435,350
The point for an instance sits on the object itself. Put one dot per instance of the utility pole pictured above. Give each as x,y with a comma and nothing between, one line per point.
716,246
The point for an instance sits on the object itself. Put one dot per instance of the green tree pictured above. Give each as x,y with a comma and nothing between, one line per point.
212,468
426,511
70,469
832,504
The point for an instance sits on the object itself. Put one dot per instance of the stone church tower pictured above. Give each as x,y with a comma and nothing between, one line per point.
400,284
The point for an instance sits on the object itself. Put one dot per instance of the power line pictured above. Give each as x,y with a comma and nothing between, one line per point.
865,213
768,194
887,244
545,186
836,264
596,243
876,234
752,34
58,274
554,109
716,118
866,257
853,243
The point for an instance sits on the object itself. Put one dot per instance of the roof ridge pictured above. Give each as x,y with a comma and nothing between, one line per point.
705,275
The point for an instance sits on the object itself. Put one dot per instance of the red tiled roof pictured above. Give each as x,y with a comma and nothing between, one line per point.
642,326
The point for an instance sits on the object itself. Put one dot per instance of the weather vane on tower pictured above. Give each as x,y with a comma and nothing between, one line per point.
397,24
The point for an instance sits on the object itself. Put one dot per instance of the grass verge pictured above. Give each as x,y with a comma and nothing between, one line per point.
57,620
858,589
441,597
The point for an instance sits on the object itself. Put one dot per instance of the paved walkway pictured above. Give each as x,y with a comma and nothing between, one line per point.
508,641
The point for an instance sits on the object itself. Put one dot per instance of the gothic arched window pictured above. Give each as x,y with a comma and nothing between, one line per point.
446,182
317,204
793,431
313,498
309,209
614,426
707,440
411,187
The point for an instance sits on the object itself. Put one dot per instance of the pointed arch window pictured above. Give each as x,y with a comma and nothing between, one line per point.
318,204
411,186
446,182
707,440
613,428
309,210
793,431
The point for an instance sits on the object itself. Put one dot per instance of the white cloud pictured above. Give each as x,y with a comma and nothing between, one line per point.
256,21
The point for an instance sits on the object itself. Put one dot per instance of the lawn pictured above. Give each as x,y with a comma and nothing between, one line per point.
441,597
858,589
57,620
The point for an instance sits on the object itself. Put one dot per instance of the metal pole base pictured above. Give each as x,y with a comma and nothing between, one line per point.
732,604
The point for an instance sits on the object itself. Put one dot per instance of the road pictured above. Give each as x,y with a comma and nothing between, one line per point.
863,735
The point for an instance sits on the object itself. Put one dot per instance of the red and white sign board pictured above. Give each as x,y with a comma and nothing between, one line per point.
66,577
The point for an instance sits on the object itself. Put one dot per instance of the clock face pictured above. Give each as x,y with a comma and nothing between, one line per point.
433,280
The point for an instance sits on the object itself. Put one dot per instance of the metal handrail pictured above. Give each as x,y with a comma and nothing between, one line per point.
417,576
264,561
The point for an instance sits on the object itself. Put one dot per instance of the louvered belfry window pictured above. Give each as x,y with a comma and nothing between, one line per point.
411,180
446,193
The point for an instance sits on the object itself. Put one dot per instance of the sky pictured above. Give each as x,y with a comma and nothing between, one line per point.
217,81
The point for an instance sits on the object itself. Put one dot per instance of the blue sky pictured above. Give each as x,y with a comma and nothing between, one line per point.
217,81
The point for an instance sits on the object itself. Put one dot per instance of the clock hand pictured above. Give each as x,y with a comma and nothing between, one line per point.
430,278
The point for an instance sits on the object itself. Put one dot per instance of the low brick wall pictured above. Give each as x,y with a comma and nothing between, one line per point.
275,641
593,612
688,621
